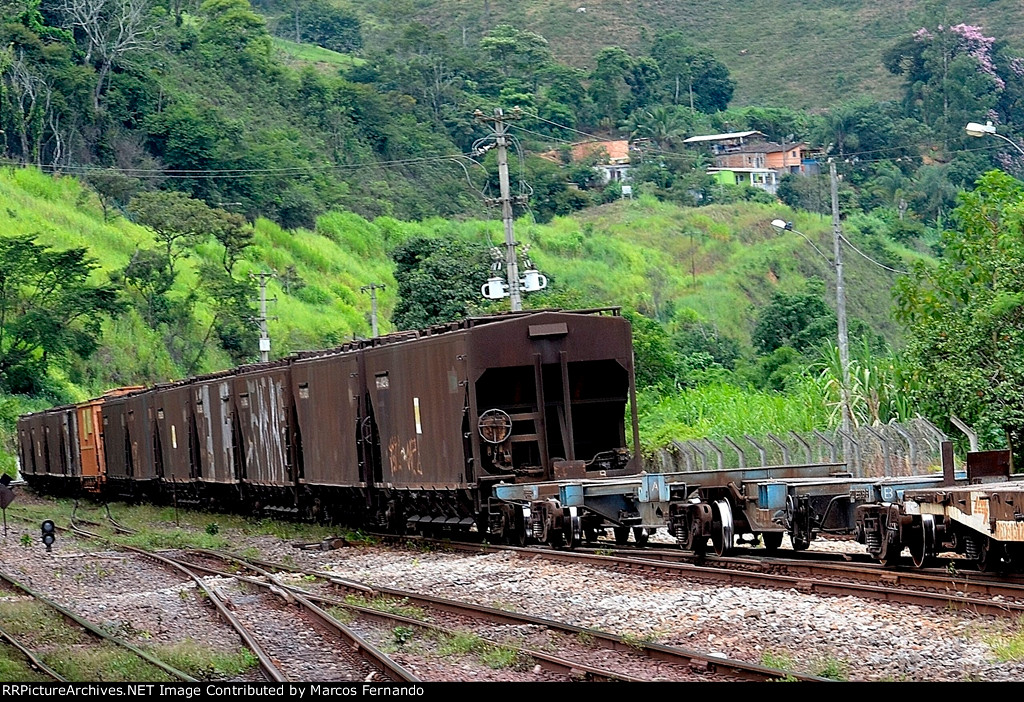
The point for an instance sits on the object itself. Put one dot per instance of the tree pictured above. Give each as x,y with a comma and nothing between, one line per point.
439,280
691,77
799,320
178,221
149,277
113,29
965,316
114,189
48,309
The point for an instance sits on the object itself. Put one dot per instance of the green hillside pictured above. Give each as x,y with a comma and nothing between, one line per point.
721,262
803,55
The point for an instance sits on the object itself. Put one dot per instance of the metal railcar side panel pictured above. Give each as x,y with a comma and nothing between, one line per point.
26,459
34,463
214,420
90,442
59,427
177,437
328,395
116,447
141,420
418,398
263,407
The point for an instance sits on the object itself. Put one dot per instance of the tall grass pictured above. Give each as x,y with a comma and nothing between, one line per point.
722,409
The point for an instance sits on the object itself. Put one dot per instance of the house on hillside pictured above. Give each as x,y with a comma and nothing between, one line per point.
747,158
614,162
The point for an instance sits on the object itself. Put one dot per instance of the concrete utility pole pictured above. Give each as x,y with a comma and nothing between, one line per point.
844,339
262,319
506,200
373,288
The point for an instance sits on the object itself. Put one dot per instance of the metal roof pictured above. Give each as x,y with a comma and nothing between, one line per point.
721,137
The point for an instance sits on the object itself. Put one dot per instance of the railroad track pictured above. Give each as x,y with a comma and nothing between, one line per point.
51,652
977,592
635,658
264,625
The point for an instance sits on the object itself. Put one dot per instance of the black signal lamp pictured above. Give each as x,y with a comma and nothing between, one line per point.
49,533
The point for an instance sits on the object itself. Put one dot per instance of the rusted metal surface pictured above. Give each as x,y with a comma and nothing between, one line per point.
988,466
263,407
59,431
418,397
212,397
177,436
116,447
328,397
141,420
90,442
565,381
31,434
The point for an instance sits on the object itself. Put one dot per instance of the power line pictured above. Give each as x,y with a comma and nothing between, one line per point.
880,265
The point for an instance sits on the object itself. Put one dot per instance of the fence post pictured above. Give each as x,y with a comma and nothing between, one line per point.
760,449
832,456
701,452
684,450
911,444
972,435
885,449
805,444
721,457
855,470
739,451
785,449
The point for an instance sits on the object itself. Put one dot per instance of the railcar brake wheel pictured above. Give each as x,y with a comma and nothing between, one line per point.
988,560
573,531
891,550
494,426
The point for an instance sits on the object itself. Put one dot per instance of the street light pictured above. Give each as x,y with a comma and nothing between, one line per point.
976,129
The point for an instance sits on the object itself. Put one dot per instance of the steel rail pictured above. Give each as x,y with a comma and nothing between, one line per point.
572,669
93,629
669,654
32,659
368,652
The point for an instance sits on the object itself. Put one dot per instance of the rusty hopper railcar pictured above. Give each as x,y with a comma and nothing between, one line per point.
264,422
514,398
333,436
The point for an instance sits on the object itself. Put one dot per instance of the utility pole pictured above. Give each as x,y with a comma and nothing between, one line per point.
373,288
506,201
262,319
844,339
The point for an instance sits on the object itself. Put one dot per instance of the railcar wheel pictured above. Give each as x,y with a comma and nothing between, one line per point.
621,535
988,560
892,547
573,529
922,545
722,527
641,536
771,540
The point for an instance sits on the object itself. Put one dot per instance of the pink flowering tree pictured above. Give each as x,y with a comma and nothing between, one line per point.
954,75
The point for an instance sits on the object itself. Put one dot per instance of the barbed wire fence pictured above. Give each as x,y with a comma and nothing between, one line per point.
895,449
